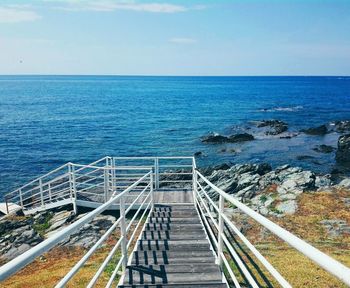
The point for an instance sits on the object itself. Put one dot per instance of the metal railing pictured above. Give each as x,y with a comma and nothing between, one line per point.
145,200
129,182
215,221
97,181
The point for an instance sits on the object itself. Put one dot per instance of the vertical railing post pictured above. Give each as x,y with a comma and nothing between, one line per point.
20,197
74,190
151,190
114,188
194,180
70,181
123,233
221,229
7,205
41,191
106,184
157,173
50,194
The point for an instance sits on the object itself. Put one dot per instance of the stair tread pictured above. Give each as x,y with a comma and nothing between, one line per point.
173,251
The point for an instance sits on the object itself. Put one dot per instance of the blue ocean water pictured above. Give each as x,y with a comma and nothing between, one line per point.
46,121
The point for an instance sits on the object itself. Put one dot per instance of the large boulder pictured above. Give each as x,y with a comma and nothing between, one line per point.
341,126
219,139
343,152
319,130
214,138
241,137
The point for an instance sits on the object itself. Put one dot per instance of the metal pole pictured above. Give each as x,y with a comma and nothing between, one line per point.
74,187
50,195
194,179
152,190
221,229
20,198
114,188
70,181
41,191
123,233
7,205
157,172
105,176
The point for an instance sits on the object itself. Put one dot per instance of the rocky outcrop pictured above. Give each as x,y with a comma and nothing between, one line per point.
275,126
271,192
320,130
22,233
324,148
214,138
218,139
341,126
343,152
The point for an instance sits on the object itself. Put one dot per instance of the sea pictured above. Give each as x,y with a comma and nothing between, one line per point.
46,121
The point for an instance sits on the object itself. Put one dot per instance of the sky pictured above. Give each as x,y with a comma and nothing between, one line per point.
126,37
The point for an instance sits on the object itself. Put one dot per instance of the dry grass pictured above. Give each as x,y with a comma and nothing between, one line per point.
50,268
295,267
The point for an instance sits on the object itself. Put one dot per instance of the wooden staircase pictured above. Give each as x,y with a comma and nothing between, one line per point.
173,252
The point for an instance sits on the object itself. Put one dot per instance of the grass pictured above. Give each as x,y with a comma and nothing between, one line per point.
51,267
41,228
305,223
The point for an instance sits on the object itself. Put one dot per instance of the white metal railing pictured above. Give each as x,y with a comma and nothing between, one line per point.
130,182
145,201
97,181
214,219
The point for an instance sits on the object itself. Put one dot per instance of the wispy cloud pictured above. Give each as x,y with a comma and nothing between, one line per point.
109,6
17,14
181,40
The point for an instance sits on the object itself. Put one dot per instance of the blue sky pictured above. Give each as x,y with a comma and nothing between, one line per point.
153,37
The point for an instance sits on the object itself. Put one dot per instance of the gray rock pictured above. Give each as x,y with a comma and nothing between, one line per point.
275,126
336,227
287,207
324,148
320,130
343,152
323,181
345,183
59,219
341,126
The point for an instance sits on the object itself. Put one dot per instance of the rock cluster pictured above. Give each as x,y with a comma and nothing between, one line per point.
271,192
19,234
275,127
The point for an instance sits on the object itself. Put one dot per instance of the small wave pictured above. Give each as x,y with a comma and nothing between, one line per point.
285,109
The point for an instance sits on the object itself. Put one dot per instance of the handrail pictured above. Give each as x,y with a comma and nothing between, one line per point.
16,264
326,262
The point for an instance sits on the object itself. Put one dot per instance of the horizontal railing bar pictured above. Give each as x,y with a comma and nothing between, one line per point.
137,198
138,224
240,263
229,269
137,212
328,263
257,254
88,254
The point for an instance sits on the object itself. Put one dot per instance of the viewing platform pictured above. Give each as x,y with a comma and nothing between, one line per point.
172,229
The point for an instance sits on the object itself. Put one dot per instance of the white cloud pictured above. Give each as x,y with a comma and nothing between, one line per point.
15,15
109,6
183,40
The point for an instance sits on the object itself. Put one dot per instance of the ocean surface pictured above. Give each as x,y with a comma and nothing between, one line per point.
46,121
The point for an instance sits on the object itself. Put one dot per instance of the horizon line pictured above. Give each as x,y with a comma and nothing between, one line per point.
177,75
